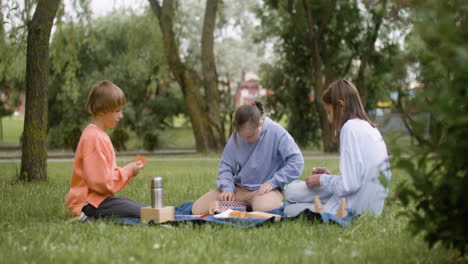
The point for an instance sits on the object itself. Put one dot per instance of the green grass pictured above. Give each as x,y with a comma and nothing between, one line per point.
177,138
33,227
12,128
170,138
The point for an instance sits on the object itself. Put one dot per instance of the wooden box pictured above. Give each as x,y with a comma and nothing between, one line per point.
159,215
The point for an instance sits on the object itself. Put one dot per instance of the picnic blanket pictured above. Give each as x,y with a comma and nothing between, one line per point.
183,213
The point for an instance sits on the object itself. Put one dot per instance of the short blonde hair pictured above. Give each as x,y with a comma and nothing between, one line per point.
104,97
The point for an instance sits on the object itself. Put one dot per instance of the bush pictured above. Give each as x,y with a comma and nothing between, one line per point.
64,136
150,141
437,164
119,137
55,138
72,137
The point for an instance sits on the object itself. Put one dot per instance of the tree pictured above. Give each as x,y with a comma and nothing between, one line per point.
34,148
2,28
13,48
235,48
204,111
80,55
436,164
337,38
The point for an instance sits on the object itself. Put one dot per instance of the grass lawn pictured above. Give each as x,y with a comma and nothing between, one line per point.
12,128
33,228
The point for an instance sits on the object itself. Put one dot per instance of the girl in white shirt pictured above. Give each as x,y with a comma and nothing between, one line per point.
364,162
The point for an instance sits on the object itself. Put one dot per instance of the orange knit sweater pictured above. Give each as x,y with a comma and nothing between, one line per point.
95,172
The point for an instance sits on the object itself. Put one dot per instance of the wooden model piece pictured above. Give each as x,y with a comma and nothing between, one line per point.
159,215
318,204
341,212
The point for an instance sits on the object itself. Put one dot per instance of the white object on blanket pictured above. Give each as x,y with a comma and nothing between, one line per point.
224,214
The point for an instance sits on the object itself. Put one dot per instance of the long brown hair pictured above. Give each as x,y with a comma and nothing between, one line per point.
345,91
249,113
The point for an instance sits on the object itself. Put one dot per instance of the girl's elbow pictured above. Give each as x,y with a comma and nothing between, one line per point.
113,188
350,190
104,188
297,162
341,187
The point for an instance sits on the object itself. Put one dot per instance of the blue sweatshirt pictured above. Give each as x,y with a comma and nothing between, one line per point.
274,158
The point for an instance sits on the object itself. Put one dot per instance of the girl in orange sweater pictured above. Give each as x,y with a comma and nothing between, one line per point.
96,177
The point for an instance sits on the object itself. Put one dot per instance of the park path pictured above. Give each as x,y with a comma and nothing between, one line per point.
160,156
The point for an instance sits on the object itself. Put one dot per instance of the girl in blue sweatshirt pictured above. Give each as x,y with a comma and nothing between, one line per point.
259,159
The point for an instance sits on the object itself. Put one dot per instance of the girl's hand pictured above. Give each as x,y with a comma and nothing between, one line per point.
313,181
321,170
136,166
227,196
266,187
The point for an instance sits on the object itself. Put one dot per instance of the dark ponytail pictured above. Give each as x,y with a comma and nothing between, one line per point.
259,105
248,113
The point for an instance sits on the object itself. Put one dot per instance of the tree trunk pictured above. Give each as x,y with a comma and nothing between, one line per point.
361,80
320,63
329,137
371,38
34,148
206,121
210,76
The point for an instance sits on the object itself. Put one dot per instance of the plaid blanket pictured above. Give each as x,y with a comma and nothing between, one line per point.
183,213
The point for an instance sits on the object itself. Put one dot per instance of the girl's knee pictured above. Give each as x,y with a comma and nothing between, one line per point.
295,190
199,208
268,202
265,207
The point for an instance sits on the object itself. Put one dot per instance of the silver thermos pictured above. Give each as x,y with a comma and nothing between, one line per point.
156,192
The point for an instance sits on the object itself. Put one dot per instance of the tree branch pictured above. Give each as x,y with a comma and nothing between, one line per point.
294,18
156,8
324,29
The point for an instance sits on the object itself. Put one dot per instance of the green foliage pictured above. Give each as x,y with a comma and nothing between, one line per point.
150,141
55,138
343,38
385,74
119,137
288,99
12,47
72,137
437,164
65,135
122,47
